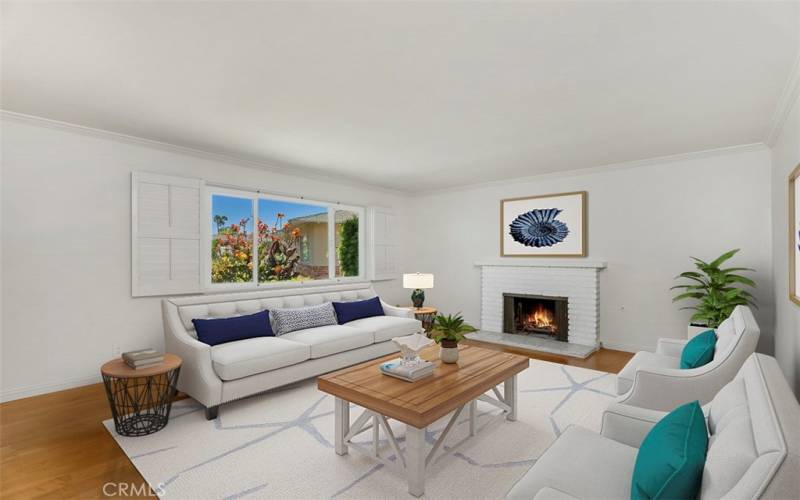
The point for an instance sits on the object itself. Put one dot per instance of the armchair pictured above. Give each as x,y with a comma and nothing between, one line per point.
656,381
753,451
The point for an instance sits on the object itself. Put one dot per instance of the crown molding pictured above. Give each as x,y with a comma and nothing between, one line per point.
284,169
307,173
659,160
787,100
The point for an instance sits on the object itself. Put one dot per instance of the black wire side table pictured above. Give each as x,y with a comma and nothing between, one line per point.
141,399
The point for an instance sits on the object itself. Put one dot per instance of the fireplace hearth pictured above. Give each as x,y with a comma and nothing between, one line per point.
538,315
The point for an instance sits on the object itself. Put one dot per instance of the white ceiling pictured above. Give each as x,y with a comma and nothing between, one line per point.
408,95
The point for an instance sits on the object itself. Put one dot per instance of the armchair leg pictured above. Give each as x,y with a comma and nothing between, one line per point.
212,412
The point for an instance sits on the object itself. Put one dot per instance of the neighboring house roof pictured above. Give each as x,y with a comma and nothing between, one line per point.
320,218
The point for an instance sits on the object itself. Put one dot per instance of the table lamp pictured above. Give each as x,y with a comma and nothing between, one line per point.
418,282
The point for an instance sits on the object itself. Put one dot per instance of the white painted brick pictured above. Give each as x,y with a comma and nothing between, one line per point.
580,286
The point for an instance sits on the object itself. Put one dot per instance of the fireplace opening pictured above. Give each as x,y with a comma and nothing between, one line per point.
536,315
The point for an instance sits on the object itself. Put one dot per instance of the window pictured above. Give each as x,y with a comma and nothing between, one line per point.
296,240
347,243
231,239
292,241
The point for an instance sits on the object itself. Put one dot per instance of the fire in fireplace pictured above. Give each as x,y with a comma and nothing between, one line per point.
535,314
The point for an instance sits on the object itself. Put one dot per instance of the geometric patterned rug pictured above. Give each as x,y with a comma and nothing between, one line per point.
280,444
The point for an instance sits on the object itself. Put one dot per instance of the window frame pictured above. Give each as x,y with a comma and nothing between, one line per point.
210,190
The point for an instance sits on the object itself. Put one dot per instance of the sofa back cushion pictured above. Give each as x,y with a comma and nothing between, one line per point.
222,330
236,304
730,332
351,311
746,443
670,460
301,318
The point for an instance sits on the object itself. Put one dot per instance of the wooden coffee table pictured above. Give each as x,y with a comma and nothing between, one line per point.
419,404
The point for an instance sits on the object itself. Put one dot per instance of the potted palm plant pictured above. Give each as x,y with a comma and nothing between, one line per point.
716,291
447,331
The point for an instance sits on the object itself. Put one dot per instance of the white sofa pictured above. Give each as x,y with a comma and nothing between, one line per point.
753,452
218,374
656,380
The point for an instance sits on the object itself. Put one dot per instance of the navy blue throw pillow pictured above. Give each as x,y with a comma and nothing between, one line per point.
349,311
222,330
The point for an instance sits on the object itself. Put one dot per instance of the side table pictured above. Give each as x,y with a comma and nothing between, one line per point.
426,315
141,399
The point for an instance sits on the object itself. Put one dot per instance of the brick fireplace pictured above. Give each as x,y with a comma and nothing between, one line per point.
572,286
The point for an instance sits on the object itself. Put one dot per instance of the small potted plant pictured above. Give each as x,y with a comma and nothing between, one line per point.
447,331
716,291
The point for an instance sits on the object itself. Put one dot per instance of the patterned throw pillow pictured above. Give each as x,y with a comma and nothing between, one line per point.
300,318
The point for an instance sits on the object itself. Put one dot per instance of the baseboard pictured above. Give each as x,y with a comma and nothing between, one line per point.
618,346
35,390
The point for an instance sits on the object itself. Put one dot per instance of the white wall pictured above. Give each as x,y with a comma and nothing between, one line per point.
785,157
644,222
66,289
66,243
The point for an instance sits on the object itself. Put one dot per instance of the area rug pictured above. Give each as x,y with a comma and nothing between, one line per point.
280,444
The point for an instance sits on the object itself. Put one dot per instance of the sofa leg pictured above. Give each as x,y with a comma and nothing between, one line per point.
212,412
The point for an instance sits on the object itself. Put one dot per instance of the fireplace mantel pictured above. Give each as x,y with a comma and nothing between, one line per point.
567,263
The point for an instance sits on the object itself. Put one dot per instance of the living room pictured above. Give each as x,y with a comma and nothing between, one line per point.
507,197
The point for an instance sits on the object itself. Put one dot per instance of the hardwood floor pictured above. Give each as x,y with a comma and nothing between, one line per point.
55,446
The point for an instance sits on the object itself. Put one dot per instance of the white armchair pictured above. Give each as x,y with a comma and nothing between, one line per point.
753,452
656,381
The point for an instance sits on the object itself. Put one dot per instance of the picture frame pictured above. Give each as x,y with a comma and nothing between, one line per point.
794,235
550,225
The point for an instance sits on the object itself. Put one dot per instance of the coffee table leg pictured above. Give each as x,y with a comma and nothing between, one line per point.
472,407
342,423
510,396
415,460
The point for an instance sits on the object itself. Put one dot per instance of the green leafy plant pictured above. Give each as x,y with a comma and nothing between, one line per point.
449,330
715,289
348,248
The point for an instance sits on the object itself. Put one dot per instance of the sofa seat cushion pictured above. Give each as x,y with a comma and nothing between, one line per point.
326,340
235,360
643,358
387,327
582,464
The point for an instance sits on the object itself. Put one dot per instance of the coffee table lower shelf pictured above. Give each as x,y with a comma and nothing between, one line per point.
415,460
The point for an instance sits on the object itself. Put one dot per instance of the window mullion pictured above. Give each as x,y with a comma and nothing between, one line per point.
255,241
331,243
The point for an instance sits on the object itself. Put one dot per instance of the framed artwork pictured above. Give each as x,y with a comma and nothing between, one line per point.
552,225
794,235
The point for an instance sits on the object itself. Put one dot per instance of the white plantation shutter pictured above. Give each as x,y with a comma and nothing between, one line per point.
383,242
165,234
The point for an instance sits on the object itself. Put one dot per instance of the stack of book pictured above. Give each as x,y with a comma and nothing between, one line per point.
142,358
410,373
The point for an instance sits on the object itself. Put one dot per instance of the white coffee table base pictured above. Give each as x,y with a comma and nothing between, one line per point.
416,458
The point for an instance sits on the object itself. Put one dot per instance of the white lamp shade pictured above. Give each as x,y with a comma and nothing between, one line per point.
417,280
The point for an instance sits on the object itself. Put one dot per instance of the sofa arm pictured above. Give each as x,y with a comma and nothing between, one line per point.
628,424
664,389
197,377
401,312
670,347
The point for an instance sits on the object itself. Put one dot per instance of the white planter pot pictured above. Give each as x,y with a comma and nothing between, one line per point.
693,331
448,354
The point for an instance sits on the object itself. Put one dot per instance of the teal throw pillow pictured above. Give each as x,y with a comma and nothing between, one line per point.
670,461
699,350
